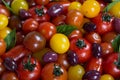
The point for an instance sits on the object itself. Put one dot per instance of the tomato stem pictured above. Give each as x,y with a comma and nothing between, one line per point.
57,70
80,43
106,17
40,12
28,65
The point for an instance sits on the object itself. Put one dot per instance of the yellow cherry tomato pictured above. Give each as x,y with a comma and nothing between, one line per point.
75,5
106,77
4,32
19,4
59,43
115,10
90,8
76,72
3,21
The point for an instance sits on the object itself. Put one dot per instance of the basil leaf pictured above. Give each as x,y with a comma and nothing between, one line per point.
10,39
116,44
109,6
65,29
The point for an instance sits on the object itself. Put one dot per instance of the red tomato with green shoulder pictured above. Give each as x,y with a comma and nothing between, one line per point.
29,69
82,48
103,23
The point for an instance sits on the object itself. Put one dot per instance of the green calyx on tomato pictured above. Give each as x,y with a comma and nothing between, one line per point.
28,65
57,70
40,12
116,47
106,17
80,43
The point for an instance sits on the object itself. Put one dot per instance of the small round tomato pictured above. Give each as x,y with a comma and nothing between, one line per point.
53,71
93,37
59,43
47,29
4,32
3,21
29,69
75,18
2,67
115,10
34,41
106,77
4,10
74,5
90,8
16,5
62,60
76,72
2,46
30,25
82,48
9,76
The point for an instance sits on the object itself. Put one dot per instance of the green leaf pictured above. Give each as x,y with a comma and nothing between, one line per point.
10,39
116,44
109,6
65,29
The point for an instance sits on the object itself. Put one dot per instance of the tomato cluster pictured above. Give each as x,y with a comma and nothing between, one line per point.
59,40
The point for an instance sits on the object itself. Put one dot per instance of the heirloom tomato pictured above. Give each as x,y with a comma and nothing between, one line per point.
106,77
2,46
82,48
4,10
3,21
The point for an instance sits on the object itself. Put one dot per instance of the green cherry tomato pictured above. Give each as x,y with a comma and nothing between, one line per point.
59,43
106,77
76,72
3,21
19,4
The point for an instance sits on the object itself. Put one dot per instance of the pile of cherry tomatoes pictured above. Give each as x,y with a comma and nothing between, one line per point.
59,40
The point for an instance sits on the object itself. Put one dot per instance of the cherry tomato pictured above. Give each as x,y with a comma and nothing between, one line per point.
47,29
103,23
3,21
76,72
82,48
62,60
75,5
4,32
29,69
30,25
34,41
59,43
39,13
53,71
2,46
16,5
4,10
115,10
93,37
95,64
90,8
110,65
9,76
2,67
106,77
75,18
